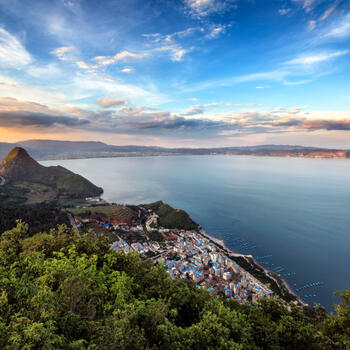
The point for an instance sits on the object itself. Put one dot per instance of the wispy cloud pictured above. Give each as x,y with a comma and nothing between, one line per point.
85,65
316,58
312,25
63,53
329,11
307,5
169,43
12,52
284,11
339,29
203,8
127,70
194,110
109,102
123,56
216,30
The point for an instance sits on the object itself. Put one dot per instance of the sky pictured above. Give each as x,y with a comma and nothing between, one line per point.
189,73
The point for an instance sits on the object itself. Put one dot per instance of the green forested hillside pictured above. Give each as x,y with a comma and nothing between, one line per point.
170,217
40,217
28,182
63,290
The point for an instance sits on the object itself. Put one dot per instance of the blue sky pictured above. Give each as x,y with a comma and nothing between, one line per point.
176,73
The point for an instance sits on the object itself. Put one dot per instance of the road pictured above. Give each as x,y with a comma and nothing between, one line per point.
2,181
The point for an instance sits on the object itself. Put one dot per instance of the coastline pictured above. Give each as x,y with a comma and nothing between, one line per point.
270,279
148,155
270,274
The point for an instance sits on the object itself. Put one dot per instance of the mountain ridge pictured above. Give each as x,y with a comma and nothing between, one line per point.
55,149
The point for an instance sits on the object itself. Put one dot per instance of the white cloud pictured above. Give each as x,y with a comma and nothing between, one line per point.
263,87
19,90
282,76
85,65
90,85
109,102
48,71
316,58
12,52
277,75
62,53
167,43
202,8
329,11
212,104
119,57
194,110
312,25
283,12
176,51
215,31
307,5
127,70
193,99
340,29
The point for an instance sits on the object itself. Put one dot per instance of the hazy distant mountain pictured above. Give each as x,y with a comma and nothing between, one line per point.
25,178
49,149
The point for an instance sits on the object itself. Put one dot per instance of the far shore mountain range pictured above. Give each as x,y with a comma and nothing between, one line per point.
51,149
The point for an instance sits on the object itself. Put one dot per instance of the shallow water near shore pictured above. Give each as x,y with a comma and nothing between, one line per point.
292,214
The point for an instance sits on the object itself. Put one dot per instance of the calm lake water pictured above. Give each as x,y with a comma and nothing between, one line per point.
295,213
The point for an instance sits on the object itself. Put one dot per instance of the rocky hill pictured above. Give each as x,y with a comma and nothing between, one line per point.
37,183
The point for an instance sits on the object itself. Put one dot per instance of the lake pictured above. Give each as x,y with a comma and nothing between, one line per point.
291,213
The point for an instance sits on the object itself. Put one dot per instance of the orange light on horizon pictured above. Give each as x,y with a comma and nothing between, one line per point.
16,135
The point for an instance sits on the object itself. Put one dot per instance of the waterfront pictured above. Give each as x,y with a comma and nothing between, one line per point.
290,213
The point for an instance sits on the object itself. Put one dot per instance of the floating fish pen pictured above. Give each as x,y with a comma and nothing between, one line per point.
309,296
263,257
289,274
310,285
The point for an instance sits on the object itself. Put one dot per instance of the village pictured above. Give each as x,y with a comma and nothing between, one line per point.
186,254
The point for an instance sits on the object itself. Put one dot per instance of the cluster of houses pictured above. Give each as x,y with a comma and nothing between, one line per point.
190,255
204,263
113,224
142,248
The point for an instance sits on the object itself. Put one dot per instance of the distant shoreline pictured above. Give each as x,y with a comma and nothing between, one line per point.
59,150
111,156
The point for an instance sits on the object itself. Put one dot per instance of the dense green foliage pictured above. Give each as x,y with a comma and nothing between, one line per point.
40,217
11,195
76,186
62,290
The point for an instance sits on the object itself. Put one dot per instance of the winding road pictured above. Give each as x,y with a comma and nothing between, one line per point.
2,181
